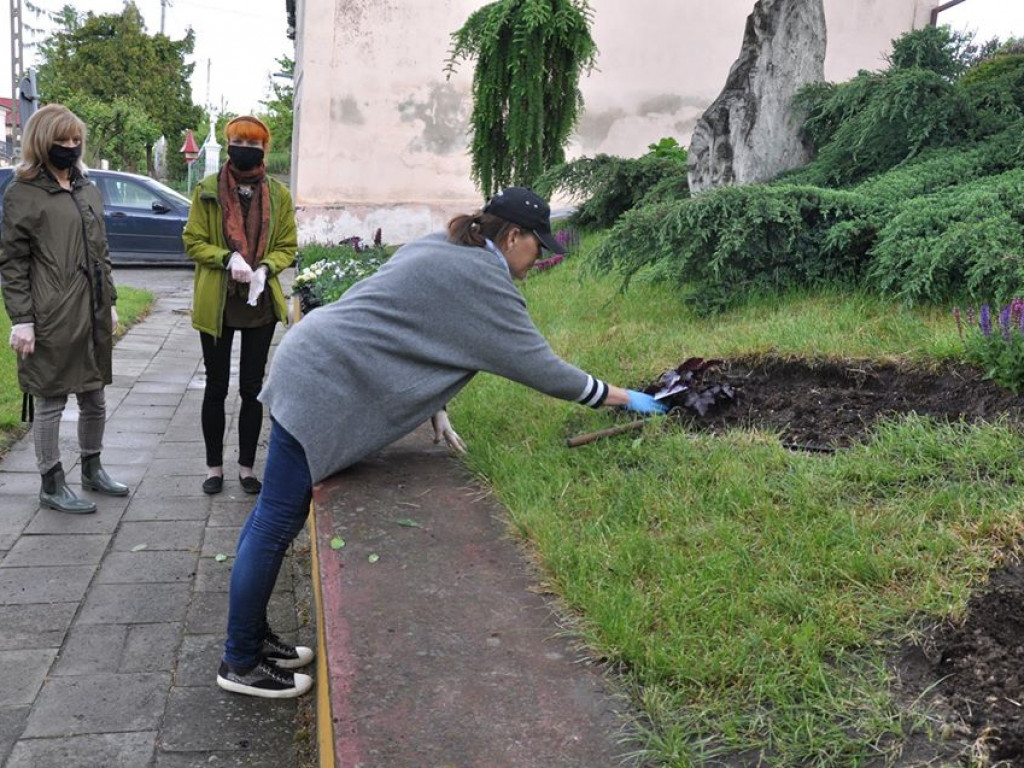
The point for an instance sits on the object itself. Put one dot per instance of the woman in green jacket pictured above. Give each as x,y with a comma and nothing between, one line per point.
59,294
241,235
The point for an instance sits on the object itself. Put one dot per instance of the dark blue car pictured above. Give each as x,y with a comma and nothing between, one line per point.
144,218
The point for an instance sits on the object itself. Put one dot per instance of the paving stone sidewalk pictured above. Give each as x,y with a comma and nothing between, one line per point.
111,624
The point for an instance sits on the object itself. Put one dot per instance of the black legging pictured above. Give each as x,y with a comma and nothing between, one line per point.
252,366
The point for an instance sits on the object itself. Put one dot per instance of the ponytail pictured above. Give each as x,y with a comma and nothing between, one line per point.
474,229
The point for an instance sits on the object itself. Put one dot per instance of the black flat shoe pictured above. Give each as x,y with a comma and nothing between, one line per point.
212,485
250,484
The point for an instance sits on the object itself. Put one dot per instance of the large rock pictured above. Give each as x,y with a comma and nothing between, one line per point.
749,133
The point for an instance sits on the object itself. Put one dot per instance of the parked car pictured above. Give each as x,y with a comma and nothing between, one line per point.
144,218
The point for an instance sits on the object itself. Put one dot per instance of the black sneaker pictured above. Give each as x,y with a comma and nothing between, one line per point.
284,655
265,680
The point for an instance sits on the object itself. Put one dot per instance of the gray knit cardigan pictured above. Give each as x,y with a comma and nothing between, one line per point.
362,372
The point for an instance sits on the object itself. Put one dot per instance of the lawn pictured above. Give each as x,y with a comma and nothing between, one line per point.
750,596
132,306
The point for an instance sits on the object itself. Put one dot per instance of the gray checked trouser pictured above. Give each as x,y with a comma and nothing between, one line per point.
92,418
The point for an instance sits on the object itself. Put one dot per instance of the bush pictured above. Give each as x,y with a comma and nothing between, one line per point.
936,49
727,243
876,121
948,167
279,163
961,241
993,90
609,186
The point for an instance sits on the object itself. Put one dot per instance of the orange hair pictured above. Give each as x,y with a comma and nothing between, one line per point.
248,128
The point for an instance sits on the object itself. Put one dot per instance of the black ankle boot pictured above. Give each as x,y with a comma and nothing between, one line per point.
55,494
95,478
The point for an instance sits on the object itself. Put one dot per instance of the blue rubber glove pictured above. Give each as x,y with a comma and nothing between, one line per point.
642,403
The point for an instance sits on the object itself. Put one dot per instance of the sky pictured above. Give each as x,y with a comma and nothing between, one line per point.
988,18
239,41
239,73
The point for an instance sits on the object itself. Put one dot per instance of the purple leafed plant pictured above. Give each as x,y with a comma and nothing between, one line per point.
548,263
685,387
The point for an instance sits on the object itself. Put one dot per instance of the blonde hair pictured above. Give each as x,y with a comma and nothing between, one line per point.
46,127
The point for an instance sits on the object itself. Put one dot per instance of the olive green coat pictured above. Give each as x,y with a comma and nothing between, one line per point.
55,269
206,245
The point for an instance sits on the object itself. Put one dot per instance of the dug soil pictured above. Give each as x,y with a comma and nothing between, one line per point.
972,675
830,404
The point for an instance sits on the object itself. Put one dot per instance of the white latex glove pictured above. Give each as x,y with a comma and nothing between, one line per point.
23,339
256,285
241,272
443,431
113,317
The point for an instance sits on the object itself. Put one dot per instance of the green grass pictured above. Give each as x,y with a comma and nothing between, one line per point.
749,594
132,305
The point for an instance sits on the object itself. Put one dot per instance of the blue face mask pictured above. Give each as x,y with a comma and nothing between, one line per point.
62,157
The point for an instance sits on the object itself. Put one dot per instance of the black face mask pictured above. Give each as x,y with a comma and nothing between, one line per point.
62,157
245,158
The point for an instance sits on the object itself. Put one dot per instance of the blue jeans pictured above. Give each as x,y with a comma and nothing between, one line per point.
280,513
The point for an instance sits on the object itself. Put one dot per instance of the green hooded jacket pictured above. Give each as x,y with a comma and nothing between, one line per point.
55,269
206,245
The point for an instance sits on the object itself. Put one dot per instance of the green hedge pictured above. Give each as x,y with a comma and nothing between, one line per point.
725,244
963,241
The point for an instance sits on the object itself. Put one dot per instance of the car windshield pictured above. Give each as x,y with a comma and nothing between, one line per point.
177,196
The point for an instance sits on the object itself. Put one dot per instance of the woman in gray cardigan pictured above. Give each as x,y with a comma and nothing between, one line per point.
377,363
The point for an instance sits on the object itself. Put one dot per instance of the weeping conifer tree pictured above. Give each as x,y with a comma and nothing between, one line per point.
526,98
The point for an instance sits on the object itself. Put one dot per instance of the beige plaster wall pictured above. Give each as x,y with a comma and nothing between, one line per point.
381,135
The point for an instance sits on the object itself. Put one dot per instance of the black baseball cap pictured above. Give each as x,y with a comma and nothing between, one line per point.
526,208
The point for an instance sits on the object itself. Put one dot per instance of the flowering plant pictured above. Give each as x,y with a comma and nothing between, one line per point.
569,239
541,264
332,270
995,344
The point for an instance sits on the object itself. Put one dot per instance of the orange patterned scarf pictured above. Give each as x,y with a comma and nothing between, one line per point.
245,234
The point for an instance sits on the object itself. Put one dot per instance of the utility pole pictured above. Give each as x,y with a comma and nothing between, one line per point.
17,70
163,13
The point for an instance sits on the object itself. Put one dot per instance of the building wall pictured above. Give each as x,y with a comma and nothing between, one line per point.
381,135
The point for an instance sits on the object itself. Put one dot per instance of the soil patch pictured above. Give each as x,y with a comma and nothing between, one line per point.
830,404
972,675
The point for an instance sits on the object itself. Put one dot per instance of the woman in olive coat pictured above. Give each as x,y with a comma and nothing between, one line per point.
59,293
240,234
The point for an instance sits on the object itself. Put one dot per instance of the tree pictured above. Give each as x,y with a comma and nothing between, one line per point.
119,131
526,98
280,108
111,60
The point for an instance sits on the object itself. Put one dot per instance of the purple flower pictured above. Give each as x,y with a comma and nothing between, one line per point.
985,322
568,238
1004,322
1016,311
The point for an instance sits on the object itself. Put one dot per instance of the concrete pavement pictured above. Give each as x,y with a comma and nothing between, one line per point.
440,655
111,624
